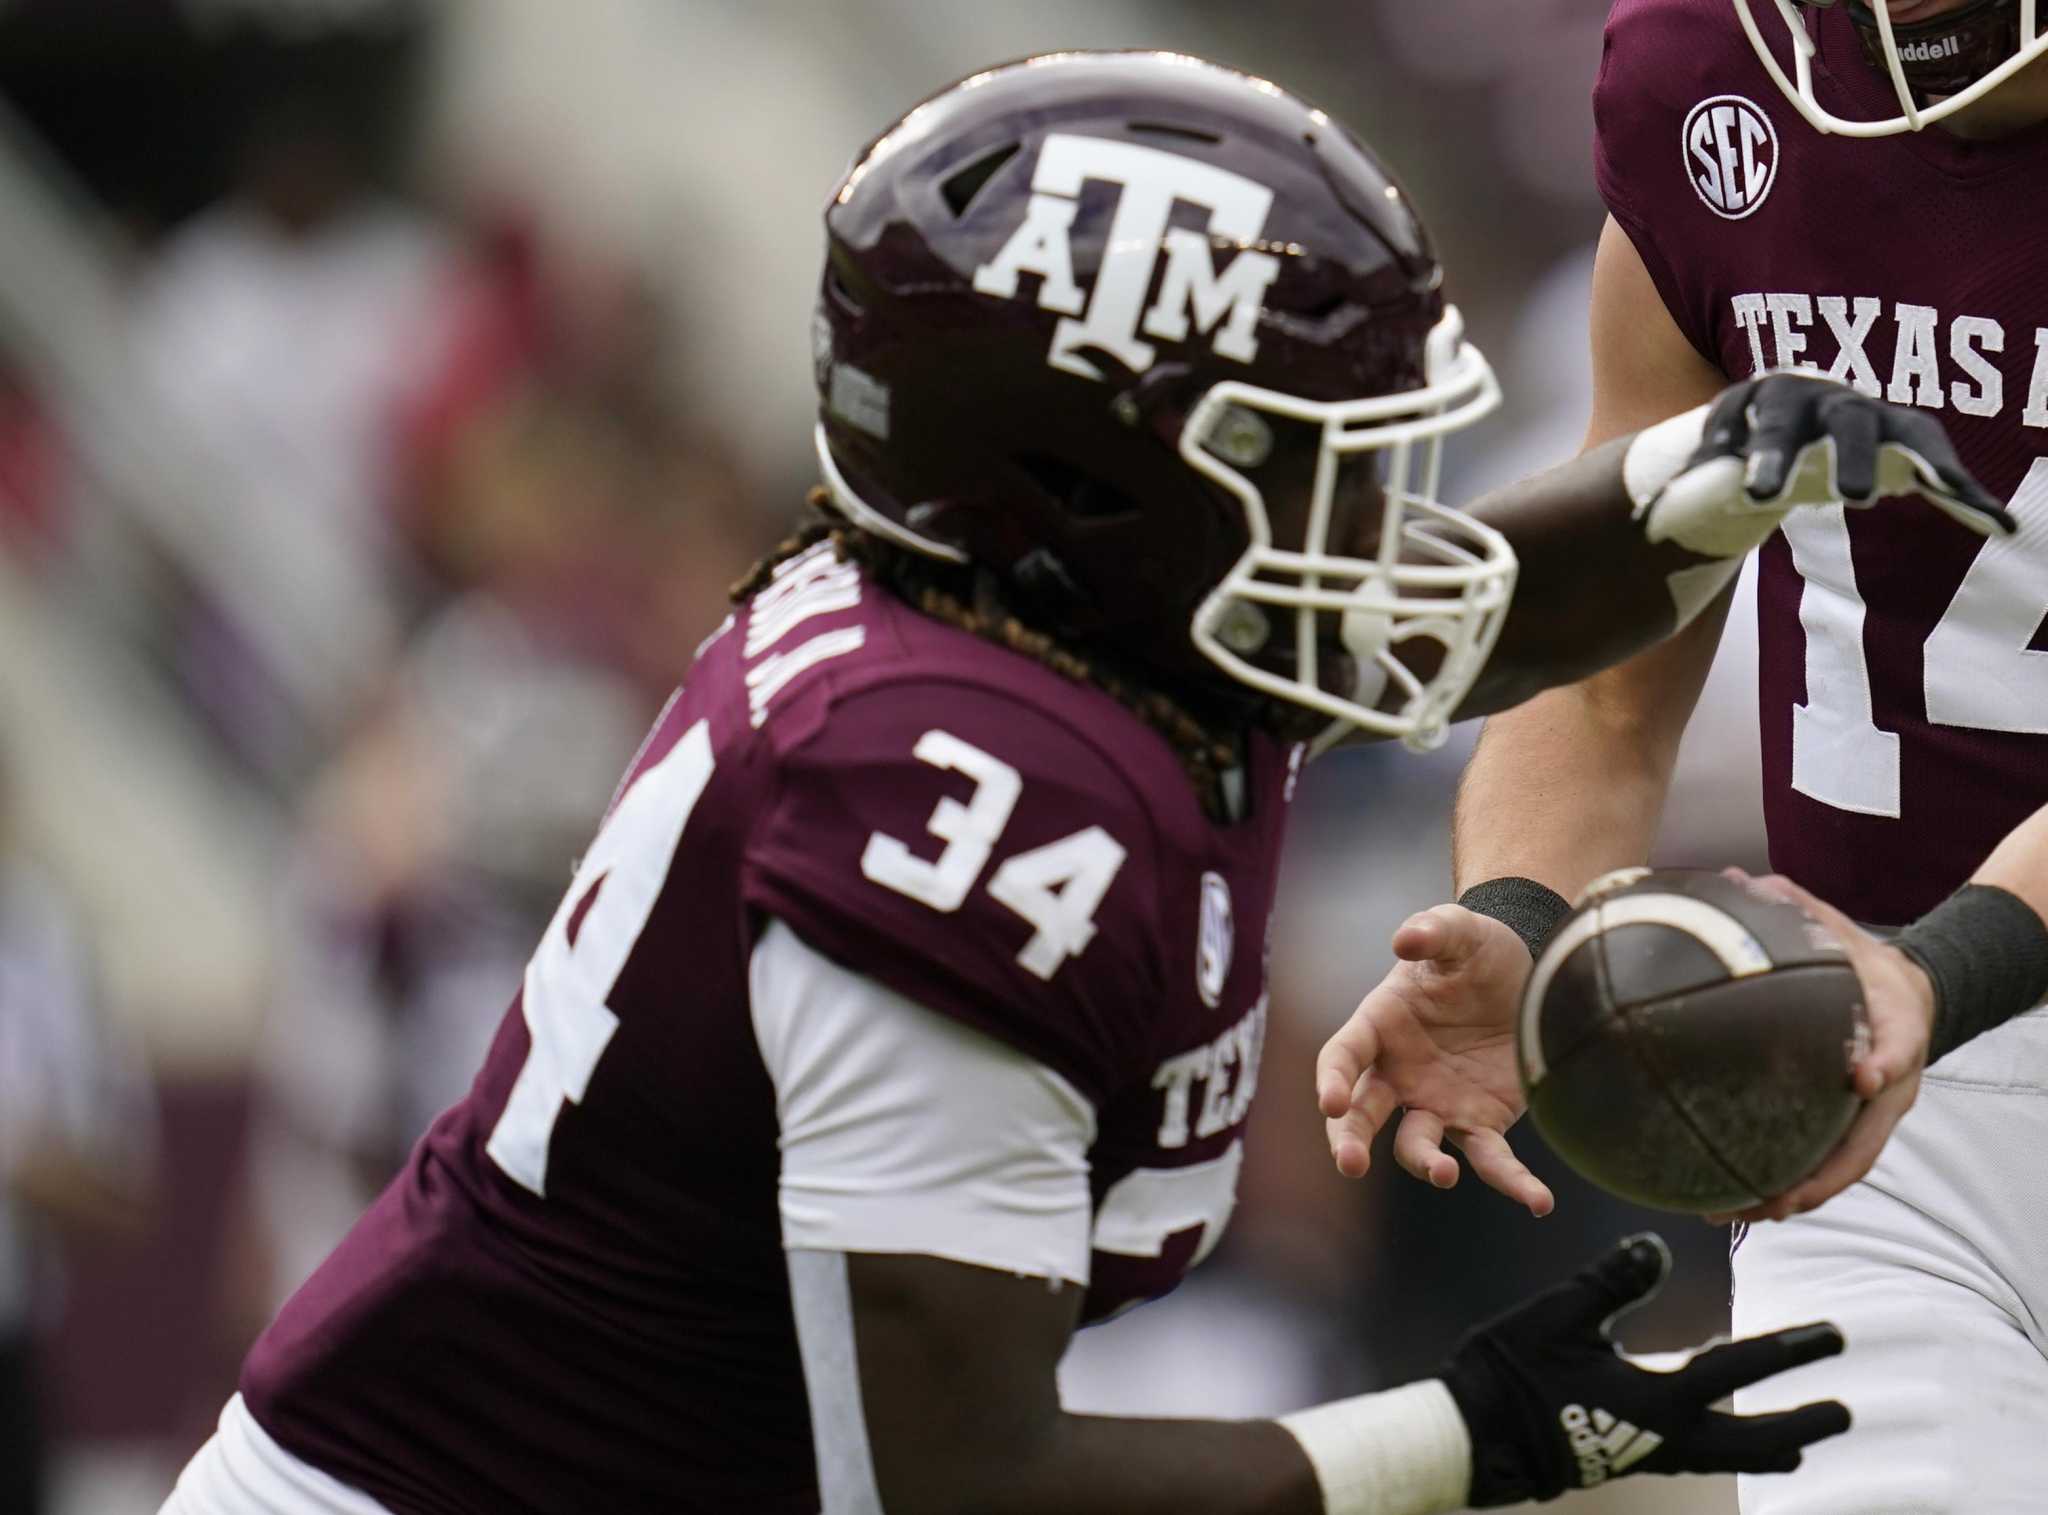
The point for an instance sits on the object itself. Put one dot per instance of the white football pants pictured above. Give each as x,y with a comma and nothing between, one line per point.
241,1471
1936,1269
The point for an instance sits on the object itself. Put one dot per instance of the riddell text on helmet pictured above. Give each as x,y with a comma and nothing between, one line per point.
1907,354
1928,52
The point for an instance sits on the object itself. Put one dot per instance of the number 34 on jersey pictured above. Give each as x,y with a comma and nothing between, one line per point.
1056,889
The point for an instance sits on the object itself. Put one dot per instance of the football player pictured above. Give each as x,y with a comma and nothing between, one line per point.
1853,191
905,1010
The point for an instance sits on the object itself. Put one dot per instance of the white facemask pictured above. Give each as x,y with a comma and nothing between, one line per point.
1913,117
1439,573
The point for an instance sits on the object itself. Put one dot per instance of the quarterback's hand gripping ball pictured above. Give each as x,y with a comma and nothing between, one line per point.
1552,1404
1690,1044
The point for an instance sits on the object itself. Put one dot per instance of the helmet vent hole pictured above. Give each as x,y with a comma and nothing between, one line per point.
960,190
1168,129
1078,493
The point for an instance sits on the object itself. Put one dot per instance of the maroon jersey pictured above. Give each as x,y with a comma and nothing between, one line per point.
1904,662
573,1298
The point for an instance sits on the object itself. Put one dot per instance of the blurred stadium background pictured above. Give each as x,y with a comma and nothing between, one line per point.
387,394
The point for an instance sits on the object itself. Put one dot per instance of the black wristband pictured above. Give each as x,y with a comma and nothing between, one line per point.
1987,953
1527,908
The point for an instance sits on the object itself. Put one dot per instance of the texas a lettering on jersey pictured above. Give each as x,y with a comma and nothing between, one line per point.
1904,669
574,1298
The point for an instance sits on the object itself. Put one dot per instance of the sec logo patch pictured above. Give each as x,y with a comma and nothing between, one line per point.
1731,155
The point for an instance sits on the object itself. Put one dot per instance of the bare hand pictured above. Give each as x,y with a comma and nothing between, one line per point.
1436,1037
1899,1001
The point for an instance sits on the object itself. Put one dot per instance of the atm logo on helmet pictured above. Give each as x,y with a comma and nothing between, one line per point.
1113,316
1731,155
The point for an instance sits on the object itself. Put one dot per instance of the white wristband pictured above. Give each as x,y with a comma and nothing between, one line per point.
1712,516
1404,1452
1659,454
1709,510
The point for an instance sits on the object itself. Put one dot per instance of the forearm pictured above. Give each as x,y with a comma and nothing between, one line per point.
959,1412
1984,950
1593,588
1404,1452
2019,864
1572,784
1097,1465
1549,796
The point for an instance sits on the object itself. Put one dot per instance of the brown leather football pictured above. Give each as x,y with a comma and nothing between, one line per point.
1687,1044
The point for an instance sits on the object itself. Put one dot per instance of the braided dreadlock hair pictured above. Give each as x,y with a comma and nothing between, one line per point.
962,597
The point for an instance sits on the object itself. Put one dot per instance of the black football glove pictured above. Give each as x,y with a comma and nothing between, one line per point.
1553,1405
1801,439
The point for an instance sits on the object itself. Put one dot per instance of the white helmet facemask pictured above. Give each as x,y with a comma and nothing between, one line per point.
1913,116
1439,574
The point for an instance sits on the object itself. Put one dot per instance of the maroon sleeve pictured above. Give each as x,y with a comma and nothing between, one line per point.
846,851
1657,62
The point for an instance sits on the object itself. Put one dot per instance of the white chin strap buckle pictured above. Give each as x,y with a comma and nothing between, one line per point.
1365,633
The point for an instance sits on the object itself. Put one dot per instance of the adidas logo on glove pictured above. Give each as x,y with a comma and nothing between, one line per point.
1604,1445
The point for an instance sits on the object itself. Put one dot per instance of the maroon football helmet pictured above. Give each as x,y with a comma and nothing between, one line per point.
1958,55
1139,334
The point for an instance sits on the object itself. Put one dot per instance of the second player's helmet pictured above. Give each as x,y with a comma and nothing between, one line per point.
1959,55
1102,322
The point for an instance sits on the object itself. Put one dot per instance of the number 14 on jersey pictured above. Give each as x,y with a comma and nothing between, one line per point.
1979,669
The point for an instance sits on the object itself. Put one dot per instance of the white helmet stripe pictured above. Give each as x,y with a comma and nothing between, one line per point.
1709,925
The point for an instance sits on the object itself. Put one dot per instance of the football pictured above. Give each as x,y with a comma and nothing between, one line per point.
1687,1044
